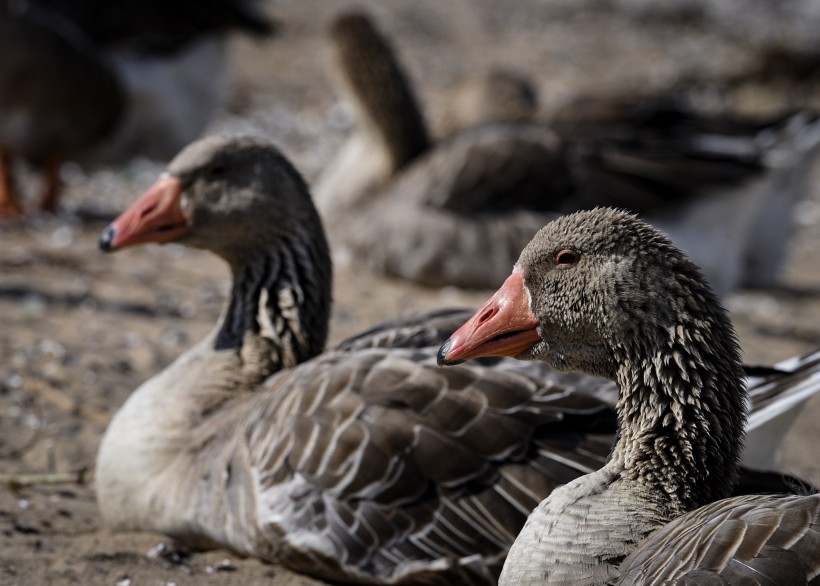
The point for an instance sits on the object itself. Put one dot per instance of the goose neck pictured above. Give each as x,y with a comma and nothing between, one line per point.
397,123
384,99
681,416
681,412
279,308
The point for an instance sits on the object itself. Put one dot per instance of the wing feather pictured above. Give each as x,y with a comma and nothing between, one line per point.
759,539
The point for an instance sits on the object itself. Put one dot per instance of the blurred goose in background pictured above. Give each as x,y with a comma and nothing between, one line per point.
364,463
603,293
99,82
420,212
499,94
57,99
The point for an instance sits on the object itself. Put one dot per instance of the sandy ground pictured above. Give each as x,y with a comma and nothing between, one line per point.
89,327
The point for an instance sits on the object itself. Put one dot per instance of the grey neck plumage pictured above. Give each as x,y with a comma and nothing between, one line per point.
681,417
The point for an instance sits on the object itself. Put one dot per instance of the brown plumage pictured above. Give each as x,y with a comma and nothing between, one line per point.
498,94
756,540
484,192
604,293
365,463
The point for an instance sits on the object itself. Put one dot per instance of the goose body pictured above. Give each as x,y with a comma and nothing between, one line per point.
484,192
98,83
604,293
364,463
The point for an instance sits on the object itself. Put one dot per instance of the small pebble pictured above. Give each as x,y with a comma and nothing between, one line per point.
14,381
52,348
63,237
34,304
225,565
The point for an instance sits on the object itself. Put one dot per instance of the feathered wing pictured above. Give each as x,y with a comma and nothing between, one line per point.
489,170
771,397
390,468
776,393
776,396
648,156
756,540
354,478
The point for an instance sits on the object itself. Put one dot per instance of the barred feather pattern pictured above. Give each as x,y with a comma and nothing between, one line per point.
758,540
366,463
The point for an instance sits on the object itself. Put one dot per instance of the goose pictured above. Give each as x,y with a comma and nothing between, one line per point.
98,83
498,94
604,293
419,210
339,463
57,98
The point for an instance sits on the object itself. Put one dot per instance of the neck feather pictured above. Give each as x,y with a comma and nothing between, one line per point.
682,410
681,413
384,98
279,308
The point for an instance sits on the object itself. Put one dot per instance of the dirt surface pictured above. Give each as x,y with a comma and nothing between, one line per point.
86,328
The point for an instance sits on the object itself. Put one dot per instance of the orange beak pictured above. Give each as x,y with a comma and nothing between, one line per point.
504,326
155,217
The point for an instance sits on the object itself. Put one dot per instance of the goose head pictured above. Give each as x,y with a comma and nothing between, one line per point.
233,196
602,292
241,199
591,289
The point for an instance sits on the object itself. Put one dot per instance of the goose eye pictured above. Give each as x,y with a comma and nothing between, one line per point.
216,169
566,258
